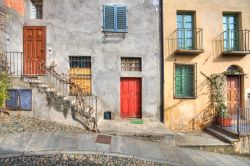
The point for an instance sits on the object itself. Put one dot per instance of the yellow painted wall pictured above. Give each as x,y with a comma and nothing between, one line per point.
193,114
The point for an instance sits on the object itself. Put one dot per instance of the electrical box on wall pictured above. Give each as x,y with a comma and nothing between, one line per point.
19,99
248,95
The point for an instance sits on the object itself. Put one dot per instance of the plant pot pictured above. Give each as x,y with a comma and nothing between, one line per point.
107,115
224,122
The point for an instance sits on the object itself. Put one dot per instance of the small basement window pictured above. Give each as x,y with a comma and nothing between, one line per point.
37,9
130,64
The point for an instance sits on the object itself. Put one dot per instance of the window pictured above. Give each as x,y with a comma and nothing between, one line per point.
115,18
131,64
231,33
185,27
80,73
185,81
37,9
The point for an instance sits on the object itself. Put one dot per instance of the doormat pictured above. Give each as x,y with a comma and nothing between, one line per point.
136,121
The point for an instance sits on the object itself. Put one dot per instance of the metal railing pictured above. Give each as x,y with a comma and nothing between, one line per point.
15,63
84,104
188,38
237,121
235,40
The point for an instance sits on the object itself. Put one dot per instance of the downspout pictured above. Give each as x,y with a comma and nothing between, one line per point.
161,30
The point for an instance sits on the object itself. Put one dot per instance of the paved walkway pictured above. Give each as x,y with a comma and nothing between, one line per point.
51,143
125,127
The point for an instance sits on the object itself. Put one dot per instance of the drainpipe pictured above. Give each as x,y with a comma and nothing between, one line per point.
161,29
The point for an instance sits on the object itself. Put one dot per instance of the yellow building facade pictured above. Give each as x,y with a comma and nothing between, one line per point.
201,38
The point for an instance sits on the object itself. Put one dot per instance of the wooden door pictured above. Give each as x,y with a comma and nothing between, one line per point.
130,97
34,50
233,93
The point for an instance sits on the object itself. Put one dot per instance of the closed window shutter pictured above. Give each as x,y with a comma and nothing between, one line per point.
109,18
184,81
121,18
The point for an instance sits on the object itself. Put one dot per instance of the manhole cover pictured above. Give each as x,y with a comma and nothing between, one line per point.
103,139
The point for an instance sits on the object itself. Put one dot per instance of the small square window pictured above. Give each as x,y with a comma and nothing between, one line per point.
130,64
185,80
37,9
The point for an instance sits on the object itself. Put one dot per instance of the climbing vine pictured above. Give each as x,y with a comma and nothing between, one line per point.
4,86
218,96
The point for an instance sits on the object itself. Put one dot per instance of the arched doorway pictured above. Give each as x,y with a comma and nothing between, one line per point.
234,88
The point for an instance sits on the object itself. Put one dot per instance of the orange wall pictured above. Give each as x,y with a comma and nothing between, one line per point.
17,5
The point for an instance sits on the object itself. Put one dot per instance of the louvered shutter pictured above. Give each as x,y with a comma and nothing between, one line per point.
184,81
121,18
109,18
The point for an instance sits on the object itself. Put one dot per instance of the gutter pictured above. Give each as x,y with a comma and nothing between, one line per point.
161,30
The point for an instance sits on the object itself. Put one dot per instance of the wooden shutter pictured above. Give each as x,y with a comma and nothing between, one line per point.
25,99
121,18
184,81
109,18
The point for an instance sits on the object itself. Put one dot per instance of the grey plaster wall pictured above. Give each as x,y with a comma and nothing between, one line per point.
74,27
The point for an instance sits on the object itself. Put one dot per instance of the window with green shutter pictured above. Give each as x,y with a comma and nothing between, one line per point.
185,80
115,18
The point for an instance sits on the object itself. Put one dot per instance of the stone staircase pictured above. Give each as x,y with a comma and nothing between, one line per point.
83,108
223,134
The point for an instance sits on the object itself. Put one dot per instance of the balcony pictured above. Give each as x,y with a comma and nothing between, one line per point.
235,42
188,41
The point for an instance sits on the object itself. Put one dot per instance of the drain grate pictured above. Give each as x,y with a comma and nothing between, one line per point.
103,139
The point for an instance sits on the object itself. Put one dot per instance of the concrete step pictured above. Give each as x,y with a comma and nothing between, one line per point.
221,135
43,85
50,90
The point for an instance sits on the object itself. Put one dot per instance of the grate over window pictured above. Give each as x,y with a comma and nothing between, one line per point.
130,64
80,73
185,84
37,9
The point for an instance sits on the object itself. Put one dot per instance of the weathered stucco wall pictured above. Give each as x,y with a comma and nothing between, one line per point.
189,114
74,27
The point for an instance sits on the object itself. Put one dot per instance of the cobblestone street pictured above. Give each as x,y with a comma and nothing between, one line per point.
19,124
74,160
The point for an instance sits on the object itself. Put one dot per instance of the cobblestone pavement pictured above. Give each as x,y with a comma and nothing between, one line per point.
74,160
19,124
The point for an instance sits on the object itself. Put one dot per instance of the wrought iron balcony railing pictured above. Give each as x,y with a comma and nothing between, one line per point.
189,40
235,42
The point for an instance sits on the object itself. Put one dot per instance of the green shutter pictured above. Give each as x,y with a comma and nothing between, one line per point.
109,18
121,18
184,81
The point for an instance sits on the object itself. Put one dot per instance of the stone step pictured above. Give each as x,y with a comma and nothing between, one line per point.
221,135
50,90
43,85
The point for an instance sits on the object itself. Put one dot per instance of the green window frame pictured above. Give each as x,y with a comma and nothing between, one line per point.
231,33
115,18
185,31
185,84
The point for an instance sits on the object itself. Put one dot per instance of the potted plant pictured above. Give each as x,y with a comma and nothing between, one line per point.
223,118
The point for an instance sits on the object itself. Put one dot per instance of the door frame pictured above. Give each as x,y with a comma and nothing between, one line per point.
140,117
45,50
241,86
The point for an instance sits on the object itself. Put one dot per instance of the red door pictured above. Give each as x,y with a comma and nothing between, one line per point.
130,97
233,93
34,50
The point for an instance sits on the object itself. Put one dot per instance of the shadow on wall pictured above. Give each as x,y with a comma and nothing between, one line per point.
171,44
218,49
196,120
